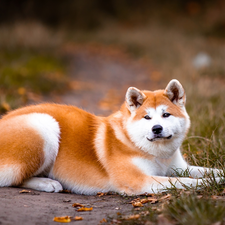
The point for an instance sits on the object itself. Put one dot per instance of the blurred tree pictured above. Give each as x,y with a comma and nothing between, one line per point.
90,14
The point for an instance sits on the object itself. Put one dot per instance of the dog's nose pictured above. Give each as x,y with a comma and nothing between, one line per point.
157,129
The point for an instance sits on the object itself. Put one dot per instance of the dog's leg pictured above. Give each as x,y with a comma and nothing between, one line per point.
157,184
42,184
178,164
135,181
197,171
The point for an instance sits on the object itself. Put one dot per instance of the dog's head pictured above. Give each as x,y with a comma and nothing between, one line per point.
157,121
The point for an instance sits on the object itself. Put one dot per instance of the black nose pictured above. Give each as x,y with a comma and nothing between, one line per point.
157,129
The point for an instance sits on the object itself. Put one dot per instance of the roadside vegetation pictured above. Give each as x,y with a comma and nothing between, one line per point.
30,69
30,65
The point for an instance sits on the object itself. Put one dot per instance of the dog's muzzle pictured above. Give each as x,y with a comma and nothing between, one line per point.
157,131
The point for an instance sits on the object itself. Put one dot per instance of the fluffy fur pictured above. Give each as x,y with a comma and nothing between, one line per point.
133,151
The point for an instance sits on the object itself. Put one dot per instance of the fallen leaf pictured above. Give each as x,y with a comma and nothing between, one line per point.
84,209
135,200
137,204
62,219
131,217
78,218
24,191
100,194
103,220
146,200
168,196
77,205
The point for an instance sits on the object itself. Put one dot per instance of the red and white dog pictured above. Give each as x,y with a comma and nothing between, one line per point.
49,147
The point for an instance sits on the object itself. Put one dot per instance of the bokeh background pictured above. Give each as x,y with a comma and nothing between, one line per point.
88,53
113,43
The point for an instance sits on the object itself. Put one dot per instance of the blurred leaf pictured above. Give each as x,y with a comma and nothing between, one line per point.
62,219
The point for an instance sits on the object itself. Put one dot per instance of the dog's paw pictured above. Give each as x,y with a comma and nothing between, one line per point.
50,185
43,184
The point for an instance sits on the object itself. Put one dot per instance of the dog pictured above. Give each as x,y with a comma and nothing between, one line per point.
51,147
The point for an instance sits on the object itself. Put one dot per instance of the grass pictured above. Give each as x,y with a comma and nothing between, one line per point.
24,73
171,51
30,64
191,208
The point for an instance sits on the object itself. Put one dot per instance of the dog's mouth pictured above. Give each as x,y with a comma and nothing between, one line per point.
159,137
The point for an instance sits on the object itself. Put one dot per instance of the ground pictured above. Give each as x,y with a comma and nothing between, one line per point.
40,208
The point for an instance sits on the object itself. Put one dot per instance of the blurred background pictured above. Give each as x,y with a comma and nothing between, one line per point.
89,52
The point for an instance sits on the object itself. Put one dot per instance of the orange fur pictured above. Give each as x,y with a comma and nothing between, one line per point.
79,161
154,99
20,145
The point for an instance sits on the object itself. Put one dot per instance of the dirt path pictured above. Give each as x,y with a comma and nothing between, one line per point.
100,77
40,208
99,80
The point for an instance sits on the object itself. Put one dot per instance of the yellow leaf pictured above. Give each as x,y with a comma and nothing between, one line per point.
84,209
152,200
137,204
78,218
24,191
77,205
62,219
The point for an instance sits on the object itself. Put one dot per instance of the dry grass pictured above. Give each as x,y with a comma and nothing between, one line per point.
171,51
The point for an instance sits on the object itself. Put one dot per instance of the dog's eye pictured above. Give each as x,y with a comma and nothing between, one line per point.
147,117
166,115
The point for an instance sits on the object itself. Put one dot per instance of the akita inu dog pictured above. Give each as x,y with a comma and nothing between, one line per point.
49,147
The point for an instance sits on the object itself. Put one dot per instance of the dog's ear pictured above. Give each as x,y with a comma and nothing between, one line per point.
175,92
134,98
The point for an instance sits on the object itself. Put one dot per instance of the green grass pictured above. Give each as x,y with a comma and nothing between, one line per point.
25,72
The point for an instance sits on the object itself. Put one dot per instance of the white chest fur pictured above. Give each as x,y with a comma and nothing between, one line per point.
153,167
